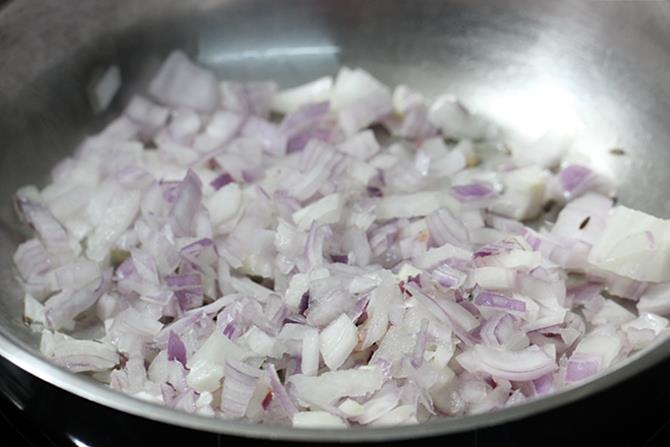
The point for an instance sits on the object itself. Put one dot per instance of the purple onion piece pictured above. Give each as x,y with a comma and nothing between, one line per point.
176,349
221,181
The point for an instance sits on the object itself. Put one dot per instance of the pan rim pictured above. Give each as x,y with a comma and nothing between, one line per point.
87,388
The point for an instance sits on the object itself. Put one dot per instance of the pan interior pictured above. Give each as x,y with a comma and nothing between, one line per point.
597,70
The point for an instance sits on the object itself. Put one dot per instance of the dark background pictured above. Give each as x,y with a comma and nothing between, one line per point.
635,413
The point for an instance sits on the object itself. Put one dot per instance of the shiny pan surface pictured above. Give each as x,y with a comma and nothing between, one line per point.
599,66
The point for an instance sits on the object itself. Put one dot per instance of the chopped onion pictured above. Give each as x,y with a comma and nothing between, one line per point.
331,386
528,364
337,341
105,88
634,245
359,99
287,101
455,120
238,388
181,83
303,269
317,419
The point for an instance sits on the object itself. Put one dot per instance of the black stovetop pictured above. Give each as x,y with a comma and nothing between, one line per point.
635,413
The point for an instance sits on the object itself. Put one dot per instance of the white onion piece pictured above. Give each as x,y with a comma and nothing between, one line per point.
337,341
435,256
378,309
612,313
359,99
351,408
401,415
33,310
184,124
656,299
181,83
635,245
584,218
408,205
61,309
643,330
605,344
78,355
147,115
287,101
317,419
104,89
222,127
523,195
224,203
310,353
330,386
494,278
207,364
324,211
546,152
455,120
238,388
363,145
528,364
117,216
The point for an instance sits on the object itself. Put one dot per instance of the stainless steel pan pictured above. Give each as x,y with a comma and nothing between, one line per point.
601,66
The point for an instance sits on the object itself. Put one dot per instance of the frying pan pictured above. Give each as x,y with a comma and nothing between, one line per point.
600,67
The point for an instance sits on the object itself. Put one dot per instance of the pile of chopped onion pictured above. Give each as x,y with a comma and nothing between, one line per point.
253,253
